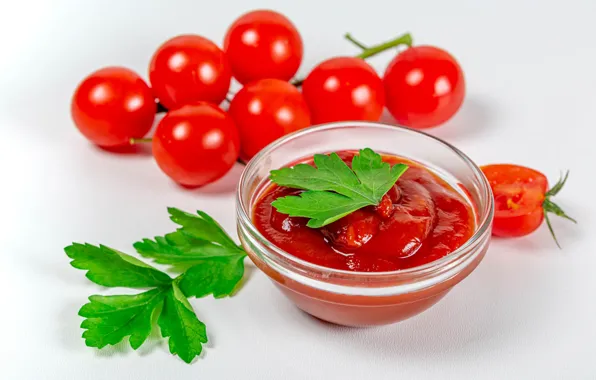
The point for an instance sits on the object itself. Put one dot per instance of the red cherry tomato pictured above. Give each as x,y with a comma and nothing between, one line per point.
263,44
196,144
424,87
113,105
189,68
522,199
266,110
344,88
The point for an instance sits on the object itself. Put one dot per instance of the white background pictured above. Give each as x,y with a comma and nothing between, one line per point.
528,311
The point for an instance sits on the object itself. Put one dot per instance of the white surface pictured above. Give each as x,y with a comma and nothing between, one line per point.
527,312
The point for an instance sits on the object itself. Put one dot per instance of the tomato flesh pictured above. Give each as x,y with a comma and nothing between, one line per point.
519,193
420,220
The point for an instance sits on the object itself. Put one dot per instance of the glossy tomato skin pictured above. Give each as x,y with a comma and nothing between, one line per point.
424,87
263,44
519,193
196,144
265,110
113,105
344,88
189,68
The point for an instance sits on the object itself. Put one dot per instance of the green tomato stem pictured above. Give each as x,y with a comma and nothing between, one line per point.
550,207
349,37
134,141
404,39
369,51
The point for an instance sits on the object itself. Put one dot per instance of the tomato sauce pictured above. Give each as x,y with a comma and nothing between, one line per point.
421,219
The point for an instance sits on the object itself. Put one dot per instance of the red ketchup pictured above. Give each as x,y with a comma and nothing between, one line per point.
421,219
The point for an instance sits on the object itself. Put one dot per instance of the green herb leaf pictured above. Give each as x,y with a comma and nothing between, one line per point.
214,265
334,189
179,322
179,248
322,207
198,238
202,227
376,175
218,276
111,318
330,174
213,262
108,267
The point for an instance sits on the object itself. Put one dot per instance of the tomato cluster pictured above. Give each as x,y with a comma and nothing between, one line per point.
197,142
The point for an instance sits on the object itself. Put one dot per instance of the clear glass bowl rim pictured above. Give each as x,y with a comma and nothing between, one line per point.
486,208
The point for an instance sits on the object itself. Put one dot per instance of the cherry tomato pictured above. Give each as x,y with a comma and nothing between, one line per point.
196,144
344,88
263,44
113,105
266,110
189,68
424,87
522,199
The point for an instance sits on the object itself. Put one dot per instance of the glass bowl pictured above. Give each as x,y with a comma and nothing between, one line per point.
364,298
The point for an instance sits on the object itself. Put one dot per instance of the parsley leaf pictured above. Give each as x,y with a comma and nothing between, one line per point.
108,267
111,318
323,207
334,189
179,322
202,227
180,249
199,238
213,266
218,276
374,174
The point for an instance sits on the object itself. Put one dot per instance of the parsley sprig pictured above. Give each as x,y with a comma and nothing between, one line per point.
210,261
335,190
